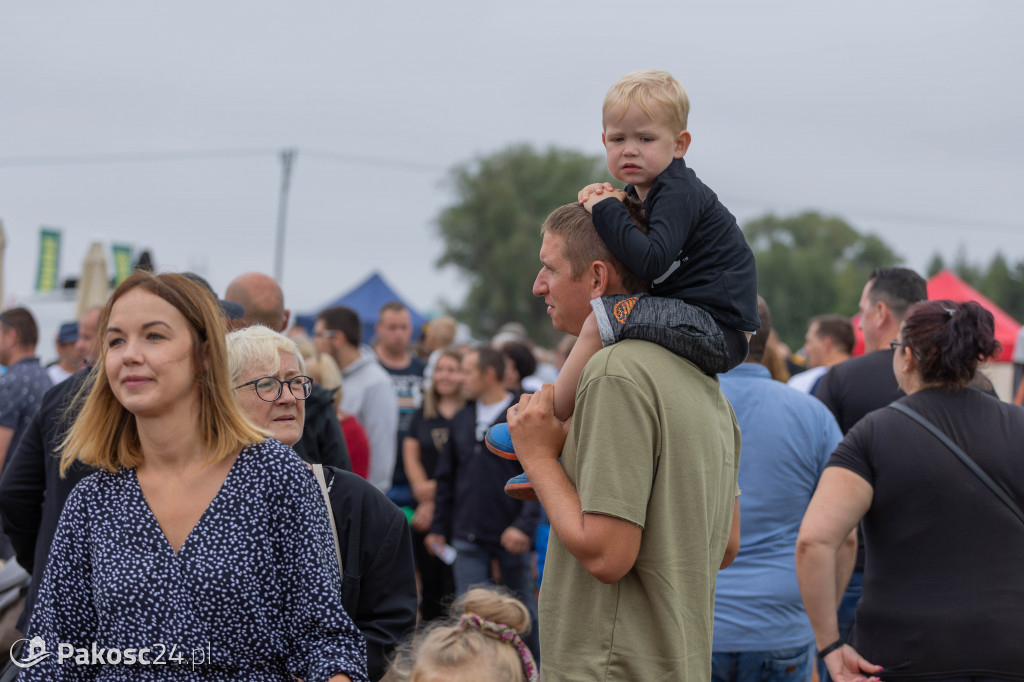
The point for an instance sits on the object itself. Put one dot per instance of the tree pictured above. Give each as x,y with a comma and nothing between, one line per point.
935,265
811,264
1014,303
1004,286
492,232
965,270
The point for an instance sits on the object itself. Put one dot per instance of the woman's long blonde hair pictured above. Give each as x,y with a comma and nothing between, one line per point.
431,398
105,434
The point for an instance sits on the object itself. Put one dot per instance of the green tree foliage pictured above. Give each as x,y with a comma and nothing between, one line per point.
965,270
935,266
811,264
492,232
1013,302
997,283
1001,283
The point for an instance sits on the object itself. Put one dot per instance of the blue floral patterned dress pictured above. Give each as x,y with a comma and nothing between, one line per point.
253,594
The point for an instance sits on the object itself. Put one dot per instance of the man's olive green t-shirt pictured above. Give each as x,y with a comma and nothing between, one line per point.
653,441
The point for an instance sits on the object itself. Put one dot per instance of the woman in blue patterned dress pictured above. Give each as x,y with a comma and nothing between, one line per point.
201,550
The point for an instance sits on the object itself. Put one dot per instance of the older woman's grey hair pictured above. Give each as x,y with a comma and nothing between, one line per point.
259,348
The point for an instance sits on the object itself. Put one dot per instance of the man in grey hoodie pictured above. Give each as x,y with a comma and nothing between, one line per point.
367,389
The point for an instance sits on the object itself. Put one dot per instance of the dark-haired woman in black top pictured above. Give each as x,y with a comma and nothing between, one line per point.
943,587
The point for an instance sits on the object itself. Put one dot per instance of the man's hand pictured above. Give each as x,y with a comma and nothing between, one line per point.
432,541
515,541
596,188
536,432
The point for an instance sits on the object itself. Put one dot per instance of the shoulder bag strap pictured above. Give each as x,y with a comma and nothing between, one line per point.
318,471
963,457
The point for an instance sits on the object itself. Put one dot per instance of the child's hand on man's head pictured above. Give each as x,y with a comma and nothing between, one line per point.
607,194
596,188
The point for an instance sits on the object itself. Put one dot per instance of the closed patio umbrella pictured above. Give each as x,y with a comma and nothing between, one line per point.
94,284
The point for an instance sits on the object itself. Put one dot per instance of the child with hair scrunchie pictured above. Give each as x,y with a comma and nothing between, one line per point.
481,641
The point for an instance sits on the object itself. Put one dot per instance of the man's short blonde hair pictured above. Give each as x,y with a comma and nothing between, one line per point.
581,244
656,93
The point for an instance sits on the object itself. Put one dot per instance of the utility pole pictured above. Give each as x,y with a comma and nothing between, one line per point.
287,158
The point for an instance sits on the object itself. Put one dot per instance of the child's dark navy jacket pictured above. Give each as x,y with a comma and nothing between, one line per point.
694,249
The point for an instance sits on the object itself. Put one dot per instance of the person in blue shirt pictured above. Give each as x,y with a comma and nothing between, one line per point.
761,629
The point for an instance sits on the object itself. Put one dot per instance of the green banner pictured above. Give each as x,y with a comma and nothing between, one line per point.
49,259
122,262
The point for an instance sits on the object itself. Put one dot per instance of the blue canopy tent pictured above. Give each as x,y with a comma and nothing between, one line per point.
366,299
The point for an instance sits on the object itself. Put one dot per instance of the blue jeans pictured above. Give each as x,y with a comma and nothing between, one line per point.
845,617
781,665
472,567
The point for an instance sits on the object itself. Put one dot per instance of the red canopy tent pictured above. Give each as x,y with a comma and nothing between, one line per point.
946,285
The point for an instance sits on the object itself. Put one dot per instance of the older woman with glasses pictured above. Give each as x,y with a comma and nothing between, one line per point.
274,398
943,590
378,579
200,550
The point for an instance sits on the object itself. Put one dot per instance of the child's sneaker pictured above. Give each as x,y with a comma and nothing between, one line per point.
499,441
684,329
520,488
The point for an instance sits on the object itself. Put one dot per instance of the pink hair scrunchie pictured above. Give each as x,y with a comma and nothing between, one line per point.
505,634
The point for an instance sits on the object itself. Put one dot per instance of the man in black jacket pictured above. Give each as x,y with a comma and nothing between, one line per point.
32,493
378,582
471,511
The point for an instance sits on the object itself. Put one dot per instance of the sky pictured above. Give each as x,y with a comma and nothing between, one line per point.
160,125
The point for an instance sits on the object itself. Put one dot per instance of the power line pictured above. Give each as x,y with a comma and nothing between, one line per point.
131,157
372,161
945,223
858,215
157,157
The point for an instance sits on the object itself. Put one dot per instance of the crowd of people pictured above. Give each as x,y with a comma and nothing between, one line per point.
201,490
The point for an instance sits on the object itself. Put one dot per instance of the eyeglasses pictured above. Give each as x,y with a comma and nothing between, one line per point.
895,345
326,334
270,389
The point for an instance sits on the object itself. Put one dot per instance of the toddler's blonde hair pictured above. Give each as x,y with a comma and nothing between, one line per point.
656,93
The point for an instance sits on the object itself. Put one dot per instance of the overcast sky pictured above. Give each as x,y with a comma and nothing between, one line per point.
903,118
